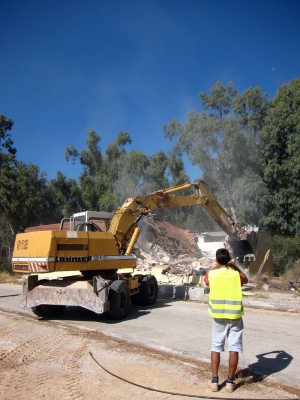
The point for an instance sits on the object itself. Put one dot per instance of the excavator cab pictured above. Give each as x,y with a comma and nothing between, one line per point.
87,221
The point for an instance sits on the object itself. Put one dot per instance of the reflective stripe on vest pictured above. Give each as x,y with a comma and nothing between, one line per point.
225,297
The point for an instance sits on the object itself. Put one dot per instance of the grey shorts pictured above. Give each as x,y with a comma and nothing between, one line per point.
232,329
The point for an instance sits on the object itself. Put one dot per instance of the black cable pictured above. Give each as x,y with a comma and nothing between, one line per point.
146,387
165,391
90,227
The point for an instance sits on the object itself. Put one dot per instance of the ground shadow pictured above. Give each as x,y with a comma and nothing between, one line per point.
11,295
75,313
267,364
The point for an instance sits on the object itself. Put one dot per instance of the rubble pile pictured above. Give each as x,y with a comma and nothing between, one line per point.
171,254
183,270
189,266
172,240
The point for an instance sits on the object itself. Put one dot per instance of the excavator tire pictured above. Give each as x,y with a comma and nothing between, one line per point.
119,298
48,310
148,291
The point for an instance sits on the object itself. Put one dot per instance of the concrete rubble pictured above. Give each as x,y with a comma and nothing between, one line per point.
171,253
172,256
160,238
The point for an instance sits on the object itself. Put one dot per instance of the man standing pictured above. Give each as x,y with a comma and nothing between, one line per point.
226,308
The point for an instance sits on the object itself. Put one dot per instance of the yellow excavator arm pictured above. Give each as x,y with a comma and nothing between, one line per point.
127,219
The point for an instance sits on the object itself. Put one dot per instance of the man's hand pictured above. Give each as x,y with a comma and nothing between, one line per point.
232,265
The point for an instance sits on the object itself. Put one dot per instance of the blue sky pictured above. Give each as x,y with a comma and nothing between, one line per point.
68,66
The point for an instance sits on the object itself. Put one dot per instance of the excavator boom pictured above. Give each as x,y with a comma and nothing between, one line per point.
128,217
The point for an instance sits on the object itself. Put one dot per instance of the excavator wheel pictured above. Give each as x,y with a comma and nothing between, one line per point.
119,298
48,310
148,291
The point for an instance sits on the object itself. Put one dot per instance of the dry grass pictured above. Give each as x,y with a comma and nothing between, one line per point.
293,274
290,278
6,277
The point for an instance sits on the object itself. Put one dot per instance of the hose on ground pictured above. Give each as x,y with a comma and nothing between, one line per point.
197,396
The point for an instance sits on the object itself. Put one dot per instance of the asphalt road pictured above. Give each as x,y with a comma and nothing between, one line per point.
271,338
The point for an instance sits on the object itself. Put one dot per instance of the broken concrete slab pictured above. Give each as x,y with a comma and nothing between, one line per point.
181,292
196,294
166,291
174,292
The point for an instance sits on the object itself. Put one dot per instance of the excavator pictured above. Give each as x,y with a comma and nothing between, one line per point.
100,245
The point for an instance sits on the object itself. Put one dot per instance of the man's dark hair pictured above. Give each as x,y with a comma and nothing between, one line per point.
222,256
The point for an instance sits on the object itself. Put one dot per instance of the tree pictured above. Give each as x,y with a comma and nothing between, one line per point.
155,175
67,196
280,151
109,179
7,151
223,140
6,234
91,159
7,157
25,197
100,172
131,175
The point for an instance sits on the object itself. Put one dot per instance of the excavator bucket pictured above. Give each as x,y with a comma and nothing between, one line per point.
250,251
243,246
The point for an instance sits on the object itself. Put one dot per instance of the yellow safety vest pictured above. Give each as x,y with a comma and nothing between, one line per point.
225,296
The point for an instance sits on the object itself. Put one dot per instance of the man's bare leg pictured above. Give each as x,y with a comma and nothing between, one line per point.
215,362
233,363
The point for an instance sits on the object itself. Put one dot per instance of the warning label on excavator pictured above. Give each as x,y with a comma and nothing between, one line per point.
93,258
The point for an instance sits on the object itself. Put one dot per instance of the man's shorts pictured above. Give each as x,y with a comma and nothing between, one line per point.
227,328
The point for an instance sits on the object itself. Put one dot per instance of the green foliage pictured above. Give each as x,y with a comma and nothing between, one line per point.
251,108
5,265
66,194
155,175
107,184
117,148
6,233
285,250
176,169
280,152
223,140
131,168
25,197
91,159
7,151
219,100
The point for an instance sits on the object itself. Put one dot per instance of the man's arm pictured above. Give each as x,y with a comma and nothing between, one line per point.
206,281
244,279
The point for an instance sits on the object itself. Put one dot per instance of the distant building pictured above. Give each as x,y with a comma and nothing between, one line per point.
210,242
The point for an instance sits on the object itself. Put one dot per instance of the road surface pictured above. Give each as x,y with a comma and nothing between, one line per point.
271,338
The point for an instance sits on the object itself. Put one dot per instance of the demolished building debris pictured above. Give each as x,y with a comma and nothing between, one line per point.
157,235
171,253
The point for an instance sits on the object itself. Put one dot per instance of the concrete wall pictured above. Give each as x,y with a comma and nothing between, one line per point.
209,248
